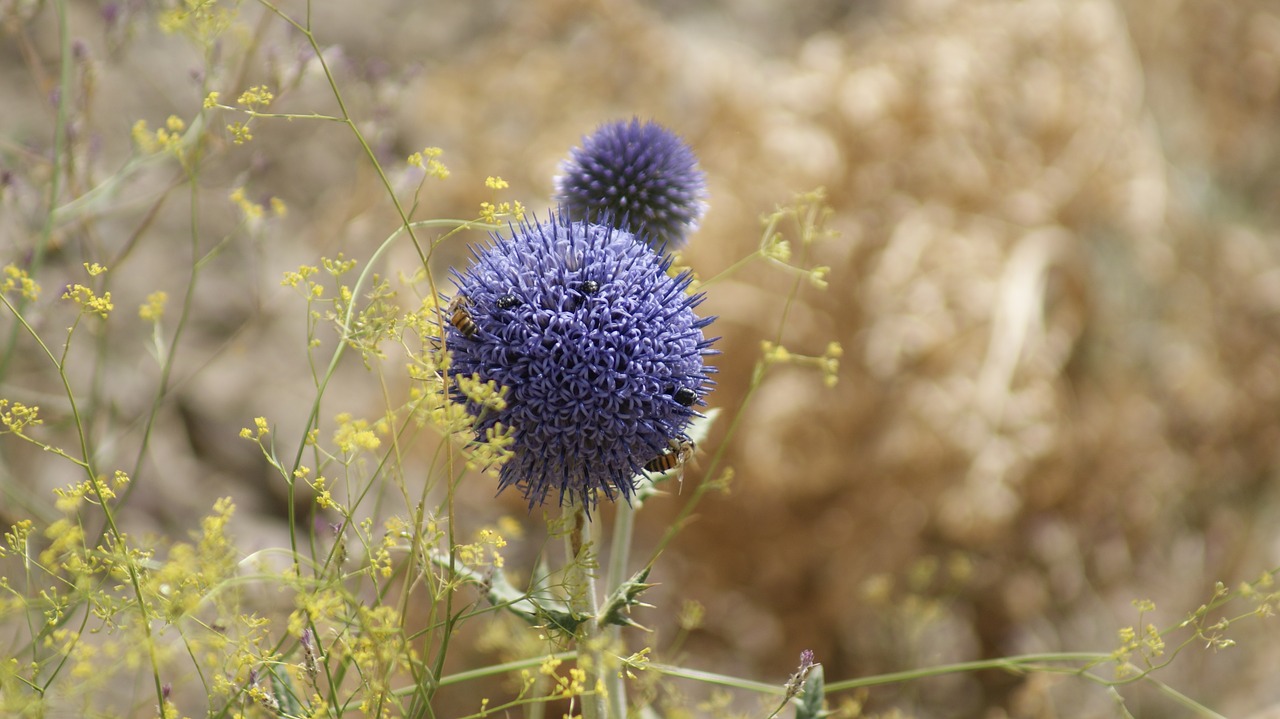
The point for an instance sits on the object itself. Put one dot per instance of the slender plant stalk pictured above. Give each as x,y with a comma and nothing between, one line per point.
619,555
580,583
65,98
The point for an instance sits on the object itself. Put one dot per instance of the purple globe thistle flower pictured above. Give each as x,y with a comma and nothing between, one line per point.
599,348
639,176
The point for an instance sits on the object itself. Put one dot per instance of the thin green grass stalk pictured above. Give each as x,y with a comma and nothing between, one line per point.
313,419
406,225
191,169
1020,664
167,358
450,517
722,680
1121,707
1184,700
1076,664
55,170
757,379
537,703
86,464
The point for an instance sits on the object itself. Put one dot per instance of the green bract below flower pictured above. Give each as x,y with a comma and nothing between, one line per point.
600,349
639,176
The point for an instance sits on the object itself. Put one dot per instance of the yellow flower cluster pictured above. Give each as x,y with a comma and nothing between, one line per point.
256,96
254,211
324,498
356,434
251,102
17,537
168,139
776,247
489,455
490,212
258,432
339,265
378,650
566,687
16,278
240,133
66,550
1149,644
485,393
484,551
428,162
183,580
494,450
95,491
200,20
807,216
153,309
828,361
89,300
18,416
380,319
293,279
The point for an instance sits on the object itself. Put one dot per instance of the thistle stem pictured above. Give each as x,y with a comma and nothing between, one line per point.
580,583
619,554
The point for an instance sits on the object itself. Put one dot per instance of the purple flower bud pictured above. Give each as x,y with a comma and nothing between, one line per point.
639,176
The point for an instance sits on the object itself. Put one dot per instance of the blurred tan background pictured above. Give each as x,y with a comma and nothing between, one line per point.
1057,285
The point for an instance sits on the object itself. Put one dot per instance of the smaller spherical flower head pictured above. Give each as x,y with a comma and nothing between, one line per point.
639,176
600,349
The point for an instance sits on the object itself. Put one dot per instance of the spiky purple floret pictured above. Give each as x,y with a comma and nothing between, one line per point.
593,339
639,176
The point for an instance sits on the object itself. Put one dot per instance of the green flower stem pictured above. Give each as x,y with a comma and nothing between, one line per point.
580,583
86,463
1021,664
619,554
1016,664
499,669
1072,663
56,167
1184,700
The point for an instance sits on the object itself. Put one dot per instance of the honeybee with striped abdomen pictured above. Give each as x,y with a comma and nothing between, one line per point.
681,451
460,316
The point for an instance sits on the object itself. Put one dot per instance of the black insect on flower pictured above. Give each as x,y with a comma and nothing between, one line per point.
638,175
684,396
589,352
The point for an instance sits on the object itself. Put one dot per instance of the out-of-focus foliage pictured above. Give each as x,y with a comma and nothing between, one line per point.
1057,287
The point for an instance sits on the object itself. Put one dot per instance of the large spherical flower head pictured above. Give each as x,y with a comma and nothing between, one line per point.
641,176
599,348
